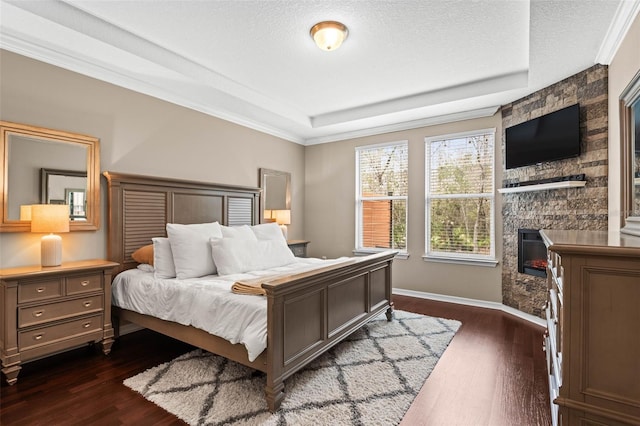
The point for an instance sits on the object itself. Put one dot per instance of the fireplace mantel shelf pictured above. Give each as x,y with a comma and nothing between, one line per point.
544,186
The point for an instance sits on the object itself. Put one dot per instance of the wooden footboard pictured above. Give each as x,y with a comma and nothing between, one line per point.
307,314
311,312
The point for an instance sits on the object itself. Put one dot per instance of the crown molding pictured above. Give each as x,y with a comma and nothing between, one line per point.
624,17
408,125
50,54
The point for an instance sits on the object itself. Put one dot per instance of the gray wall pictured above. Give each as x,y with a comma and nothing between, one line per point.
330,212
138,134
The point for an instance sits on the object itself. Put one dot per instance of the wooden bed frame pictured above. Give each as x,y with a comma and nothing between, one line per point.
307,313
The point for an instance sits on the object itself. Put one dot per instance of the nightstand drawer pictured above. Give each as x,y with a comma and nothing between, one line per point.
298,247
83,284
40,290
55,311
299,251
54,333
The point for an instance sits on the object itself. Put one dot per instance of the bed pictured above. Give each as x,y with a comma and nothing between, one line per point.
307,312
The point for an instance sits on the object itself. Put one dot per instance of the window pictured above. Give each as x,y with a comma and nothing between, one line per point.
381,196
459,187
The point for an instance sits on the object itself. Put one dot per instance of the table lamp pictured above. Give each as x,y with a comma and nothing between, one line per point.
50,218
283,218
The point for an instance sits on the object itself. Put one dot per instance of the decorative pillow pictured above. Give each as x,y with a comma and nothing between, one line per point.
268,231
144,254
191,249
243,231
235,255
163,258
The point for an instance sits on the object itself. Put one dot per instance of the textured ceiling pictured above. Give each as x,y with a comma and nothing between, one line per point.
405,63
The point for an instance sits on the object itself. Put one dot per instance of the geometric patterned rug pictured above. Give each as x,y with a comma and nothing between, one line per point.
371,378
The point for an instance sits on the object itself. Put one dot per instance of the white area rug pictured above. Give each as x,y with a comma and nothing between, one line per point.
369,379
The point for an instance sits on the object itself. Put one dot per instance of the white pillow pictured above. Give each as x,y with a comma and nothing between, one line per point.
243,231
145,267
163,258
235,255
191,249
268,231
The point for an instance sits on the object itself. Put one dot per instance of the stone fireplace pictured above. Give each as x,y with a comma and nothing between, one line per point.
566,208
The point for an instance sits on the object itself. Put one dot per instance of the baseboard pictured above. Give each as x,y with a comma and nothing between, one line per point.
471,302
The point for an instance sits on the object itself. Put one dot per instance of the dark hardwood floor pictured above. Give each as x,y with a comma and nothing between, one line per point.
493,373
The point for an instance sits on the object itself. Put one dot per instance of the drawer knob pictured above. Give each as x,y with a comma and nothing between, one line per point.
38,314
87,304
84,283
40,289
38,336
86,325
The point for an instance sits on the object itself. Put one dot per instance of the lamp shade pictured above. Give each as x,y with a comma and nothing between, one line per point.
283,217
329,35
25,212
49,218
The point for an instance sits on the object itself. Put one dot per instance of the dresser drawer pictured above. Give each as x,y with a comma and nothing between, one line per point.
40,290
55,333
84,284
34,315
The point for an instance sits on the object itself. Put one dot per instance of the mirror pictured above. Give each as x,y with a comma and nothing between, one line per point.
45,166
276,192
630,138
65,187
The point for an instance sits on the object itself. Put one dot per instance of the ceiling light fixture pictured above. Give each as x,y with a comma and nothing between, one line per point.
329,35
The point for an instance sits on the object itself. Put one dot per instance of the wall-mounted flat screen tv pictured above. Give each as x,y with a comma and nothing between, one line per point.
551,137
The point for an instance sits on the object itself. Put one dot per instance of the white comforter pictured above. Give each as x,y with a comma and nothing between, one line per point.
207,302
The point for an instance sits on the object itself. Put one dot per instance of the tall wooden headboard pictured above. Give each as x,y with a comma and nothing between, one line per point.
139,207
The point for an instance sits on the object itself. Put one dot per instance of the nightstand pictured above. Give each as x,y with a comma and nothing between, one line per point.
298,247
46,310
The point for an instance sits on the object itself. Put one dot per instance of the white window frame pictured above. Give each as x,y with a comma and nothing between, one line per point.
360,250
463,258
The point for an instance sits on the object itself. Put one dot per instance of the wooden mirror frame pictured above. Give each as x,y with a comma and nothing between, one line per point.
630,221
92,145
264,174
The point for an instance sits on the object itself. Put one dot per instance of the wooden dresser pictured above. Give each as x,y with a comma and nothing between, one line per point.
593,327
49,309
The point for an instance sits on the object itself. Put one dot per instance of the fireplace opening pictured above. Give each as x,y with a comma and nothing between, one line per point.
532,253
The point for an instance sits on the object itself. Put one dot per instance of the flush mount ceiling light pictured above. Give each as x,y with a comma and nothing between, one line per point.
329,35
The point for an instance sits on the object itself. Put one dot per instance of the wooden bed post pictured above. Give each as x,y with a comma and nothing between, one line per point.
274,389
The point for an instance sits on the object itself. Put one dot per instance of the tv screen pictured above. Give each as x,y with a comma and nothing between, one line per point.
551,137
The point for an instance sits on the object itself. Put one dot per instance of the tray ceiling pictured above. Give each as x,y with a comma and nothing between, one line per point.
405,64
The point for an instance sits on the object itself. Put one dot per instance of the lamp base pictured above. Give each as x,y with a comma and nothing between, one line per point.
283,228
51,250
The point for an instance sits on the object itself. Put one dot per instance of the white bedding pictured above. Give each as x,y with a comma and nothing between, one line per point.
207,302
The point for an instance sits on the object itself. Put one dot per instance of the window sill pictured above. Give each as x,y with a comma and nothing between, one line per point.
489,263
402,255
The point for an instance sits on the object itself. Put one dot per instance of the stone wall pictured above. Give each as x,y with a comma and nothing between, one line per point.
567,208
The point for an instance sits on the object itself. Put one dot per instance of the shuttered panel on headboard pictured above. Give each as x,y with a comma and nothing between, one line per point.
144,218
240,211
